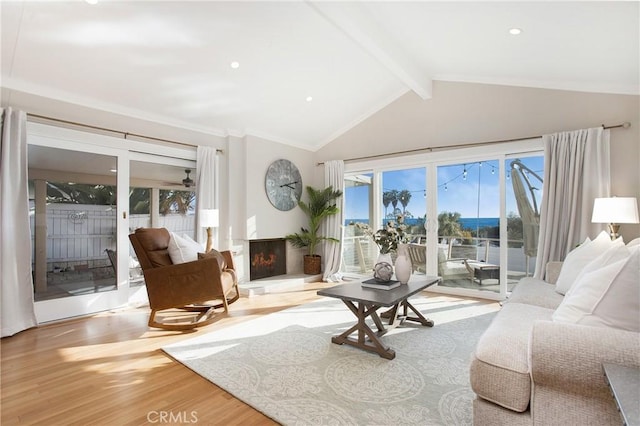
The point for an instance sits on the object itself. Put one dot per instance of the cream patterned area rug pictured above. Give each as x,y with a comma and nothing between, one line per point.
285,366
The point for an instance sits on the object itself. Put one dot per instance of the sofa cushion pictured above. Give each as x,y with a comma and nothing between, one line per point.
606,297
533,291
499,366
578,258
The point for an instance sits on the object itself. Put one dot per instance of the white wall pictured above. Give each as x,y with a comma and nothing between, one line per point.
461,113
251,214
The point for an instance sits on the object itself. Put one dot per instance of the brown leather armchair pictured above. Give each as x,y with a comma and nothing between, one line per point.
189,286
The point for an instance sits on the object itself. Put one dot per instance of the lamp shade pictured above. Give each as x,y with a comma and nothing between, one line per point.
615,210
209,218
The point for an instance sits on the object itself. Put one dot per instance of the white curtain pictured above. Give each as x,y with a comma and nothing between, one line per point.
16,290
206,190
577,170
332,226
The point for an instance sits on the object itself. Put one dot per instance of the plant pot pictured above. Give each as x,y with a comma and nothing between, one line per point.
312,264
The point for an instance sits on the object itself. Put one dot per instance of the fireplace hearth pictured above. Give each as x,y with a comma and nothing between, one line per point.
267,258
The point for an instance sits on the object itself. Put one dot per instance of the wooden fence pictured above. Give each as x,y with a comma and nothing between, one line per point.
80,234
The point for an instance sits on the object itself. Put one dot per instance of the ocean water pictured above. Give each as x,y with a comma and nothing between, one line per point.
466,222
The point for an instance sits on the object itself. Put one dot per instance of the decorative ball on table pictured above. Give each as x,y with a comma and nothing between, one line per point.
383,272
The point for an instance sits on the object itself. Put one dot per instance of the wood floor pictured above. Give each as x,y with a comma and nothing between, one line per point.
108,369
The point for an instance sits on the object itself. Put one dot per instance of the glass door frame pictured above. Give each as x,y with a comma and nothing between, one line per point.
431,161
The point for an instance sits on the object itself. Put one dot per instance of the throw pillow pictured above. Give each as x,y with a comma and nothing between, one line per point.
578,258
633,243
606,297
217,255
616,252
182,250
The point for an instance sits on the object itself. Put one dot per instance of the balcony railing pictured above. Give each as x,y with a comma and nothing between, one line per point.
360,252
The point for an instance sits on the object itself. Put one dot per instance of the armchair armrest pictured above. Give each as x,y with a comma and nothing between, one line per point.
228,257
570,356
183,283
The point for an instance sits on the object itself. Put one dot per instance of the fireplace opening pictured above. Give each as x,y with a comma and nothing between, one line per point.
267,258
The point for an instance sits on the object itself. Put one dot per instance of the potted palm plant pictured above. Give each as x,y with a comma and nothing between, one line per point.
320,206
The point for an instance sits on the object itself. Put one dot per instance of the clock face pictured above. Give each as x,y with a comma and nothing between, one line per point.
283,184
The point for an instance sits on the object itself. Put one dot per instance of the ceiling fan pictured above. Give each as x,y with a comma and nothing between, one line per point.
188,182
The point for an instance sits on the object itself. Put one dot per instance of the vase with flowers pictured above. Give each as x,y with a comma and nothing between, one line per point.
388,239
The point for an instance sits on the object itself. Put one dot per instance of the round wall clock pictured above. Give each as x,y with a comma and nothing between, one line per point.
283,184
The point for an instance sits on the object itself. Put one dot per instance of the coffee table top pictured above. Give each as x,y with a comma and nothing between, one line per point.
355,292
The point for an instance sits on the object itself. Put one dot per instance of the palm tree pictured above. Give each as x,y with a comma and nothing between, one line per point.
81,193
394,199
449,224
139,200
404,196
387,197
176,201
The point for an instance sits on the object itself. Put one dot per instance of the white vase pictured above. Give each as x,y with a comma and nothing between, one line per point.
403,264
385,257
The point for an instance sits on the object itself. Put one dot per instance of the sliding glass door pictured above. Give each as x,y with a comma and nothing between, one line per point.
158,198
471,219
87,193
468,202
76,227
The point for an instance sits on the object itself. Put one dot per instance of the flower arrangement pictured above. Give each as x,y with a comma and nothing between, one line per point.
387,238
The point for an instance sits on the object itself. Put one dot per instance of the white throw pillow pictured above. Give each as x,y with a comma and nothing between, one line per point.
633,243
183,250
616,252
578,258
606,297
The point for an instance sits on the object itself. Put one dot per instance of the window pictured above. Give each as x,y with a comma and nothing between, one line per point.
462,211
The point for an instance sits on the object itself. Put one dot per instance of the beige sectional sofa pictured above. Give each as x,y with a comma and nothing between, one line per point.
529,369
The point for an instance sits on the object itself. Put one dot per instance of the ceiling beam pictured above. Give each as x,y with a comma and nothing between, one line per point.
353,20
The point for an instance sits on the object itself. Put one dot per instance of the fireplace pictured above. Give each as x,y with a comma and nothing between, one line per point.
267,258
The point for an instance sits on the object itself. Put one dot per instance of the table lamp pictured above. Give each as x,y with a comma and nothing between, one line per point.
209,218
615,210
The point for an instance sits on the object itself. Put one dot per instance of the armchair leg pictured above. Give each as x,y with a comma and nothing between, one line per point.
205,316
229,300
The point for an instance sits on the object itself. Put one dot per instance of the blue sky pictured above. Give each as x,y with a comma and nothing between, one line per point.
455,193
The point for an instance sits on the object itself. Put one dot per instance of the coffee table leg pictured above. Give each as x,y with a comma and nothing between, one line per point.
362,311
418,318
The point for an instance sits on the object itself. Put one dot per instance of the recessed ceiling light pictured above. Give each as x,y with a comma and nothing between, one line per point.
91,1
515,31
309,98
235,65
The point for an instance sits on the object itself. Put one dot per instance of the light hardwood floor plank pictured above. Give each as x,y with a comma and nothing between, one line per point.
108,369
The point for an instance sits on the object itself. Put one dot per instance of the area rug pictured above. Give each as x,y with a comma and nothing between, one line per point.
285,366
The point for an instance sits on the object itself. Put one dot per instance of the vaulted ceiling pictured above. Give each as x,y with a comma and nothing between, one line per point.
306,71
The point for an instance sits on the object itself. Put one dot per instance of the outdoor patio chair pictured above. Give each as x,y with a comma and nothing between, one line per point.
418,255
450,268
189,286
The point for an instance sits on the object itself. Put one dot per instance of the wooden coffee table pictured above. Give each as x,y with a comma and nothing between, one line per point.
364,302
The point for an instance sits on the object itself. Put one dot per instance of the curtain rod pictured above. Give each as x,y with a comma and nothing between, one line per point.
104,129
624,125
